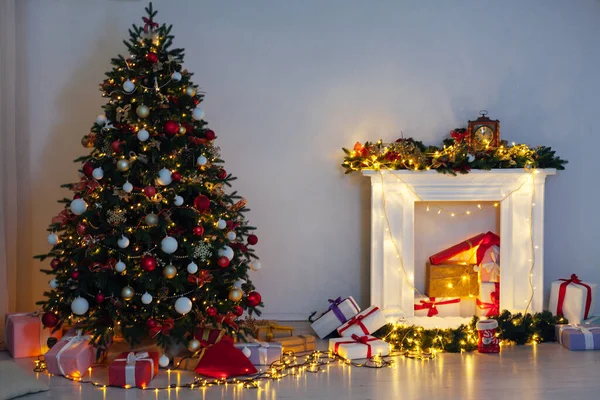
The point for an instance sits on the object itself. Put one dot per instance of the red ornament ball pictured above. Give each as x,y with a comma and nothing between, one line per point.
116,146
152,57
100,298
81,229
211,311
252,240
195,100
222,174
49,319
237,310
171,127
176,176
201,203
88,168
149,191
151,323
209,134
54,263
223,262
148,263
76,196
253,299
74,274
198,231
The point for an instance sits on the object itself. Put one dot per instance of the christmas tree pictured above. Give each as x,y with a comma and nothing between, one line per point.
151,243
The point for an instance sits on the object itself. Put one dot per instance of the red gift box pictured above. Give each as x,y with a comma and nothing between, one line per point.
208,335
133,369
25,335
447,254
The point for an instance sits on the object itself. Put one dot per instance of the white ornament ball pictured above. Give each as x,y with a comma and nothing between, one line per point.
123,242
192,268
52,239
176,76
231,235
178,201
221,224
190,91
201,160
247,352
101,120
470,157
80,306
169,245
183,305
238,284
194,345
146,298
127,187
142,111
120,266
78,206
164,177
98,173
255,265
143,135
198,113
53,283
226,251
164,361
128,86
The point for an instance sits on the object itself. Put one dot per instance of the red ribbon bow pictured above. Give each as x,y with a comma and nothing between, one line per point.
164,328
148,24
431,305
228,319
493,307
489,239
204,277
358,339
110,264
562,291
458,135
357,320
62,218
196,140
89,185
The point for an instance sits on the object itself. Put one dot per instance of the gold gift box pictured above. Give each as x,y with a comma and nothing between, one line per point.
298,344
451,280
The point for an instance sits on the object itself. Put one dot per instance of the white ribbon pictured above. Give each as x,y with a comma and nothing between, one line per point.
130,361
587,334
263,353
493,269
71,340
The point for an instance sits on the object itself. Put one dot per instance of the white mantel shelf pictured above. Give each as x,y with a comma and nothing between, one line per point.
391,289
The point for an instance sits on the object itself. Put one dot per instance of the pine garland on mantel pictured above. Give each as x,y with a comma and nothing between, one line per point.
454,156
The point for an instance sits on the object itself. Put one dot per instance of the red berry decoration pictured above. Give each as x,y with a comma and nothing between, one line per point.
151,323
211,311
74,274
237,310
198,231
81,229
201,203
152,57
54,263
195,100
209,134
171,127
49,319
222,174
176,176
252,240
223,262
243,248
88,168
253,299
100,298
116,146
149,191
148,263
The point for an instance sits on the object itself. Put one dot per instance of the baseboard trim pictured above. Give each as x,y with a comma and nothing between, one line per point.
285,316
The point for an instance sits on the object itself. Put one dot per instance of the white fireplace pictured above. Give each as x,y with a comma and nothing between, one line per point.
521,197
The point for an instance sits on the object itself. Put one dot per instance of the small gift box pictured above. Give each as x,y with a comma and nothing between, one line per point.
71,356
356,346
119,346
339,312
451,280
133,369
573,299
25,335
268,330
433,306
364,323
489,265
455,250
207,335
577,337
299,343
262,353
488,300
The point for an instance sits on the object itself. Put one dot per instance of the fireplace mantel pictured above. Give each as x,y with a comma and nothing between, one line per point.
522,196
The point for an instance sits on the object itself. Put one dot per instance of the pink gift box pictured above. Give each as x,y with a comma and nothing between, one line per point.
25,336
133,369
71,356
489,269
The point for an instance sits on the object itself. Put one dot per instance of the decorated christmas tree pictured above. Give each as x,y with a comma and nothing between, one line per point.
151,243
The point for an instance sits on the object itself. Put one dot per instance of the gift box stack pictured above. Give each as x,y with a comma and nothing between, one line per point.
447,283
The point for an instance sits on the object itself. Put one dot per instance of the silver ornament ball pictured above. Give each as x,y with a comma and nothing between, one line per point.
170,272
123,165
142,111
190,91
127,293
194,345
151,219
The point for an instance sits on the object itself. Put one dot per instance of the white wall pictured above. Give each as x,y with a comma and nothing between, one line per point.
289,83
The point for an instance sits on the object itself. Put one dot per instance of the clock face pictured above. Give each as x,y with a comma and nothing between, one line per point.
483,136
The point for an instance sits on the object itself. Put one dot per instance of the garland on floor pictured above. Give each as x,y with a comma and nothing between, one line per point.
512,329
455,156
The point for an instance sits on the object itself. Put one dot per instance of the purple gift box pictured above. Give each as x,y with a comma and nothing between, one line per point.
262,353
578,337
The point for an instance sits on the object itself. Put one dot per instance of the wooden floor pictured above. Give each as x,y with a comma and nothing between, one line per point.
546,371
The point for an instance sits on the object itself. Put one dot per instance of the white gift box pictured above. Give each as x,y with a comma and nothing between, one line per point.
363,323
363,346
339,312
489,270
488,303
574,304
437,306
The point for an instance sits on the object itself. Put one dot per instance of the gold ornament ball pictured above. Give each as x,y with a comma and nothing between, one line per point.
194,345
190,91
123,165
142,111
235,294
86,142
127,293
182,130
169,272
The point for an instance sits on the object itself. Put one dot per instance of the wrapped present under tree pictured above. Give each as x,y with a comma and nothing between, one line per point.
573,299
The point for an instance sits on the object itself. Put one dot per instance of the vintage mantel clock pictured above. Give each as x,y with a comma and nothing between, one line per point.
483,133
